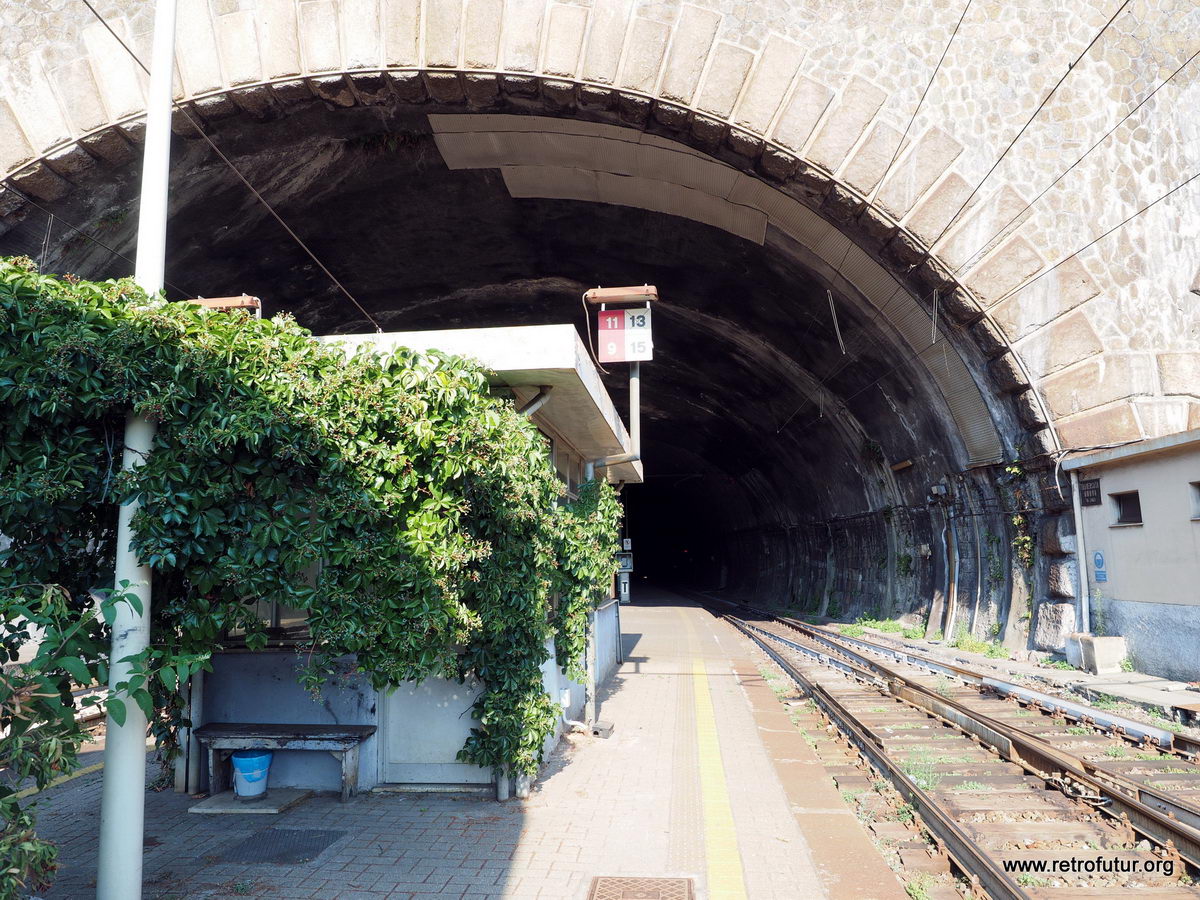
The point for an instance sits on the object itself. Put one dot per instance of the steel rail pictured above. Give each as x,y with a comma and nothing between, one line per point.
854,671
1078,711
1081,712
958,844
920,662
1154,813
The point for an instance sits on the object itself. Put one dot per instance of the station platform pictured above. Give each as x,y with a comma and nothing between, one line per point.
704,778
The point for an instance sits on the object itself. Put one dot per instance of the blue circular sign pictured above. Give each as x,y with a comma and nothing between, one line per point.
1098,559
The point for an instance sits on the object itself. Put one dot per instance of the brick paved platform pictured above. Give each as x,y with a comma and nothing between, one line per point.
666,795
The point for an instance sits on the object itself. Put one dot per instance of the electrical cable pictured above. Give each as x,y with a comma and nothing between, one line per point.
913,117
1017,136
909,357
242,178
95,240
843,365
1162,84
587,321
1101,237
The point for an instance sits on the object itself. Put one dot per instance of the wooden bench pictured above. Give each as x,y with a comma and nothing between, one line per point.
220,739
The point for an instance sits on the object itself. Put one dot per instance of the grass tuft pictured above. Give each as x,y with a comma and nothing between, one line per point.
972,786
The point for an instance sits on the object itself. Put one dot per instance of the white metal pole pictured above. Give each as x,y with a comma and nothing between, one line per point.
122,804
156,156
1082,584
635,406
196,714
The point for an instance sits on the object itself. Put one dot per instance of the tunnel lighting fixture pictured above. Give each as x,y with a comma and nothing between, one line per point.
644,293
939,495
902,465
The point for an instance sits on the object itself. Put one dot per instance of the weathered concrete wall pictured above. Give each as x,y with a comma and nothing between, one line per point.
811,99
1110,339
1163,638
263,688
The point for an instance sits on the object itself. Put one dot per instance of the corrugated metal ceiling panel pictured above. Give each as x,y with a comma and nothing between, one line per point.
469,150
674,199
800,223
681,168
869,277
547,181
966,404
912,322
510,148
542,156
663,143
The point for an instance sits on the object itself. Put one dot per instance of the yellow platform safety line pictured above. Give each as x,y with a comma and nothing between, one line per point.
61,779
70,776
725,878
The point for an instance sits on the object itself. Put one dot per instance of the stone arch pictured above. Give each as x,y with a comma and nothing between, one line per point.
769,89
741,184
1053,355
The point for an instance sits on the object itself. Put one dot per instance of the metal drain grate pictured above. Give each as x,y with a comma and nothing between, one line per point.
284,846
609,887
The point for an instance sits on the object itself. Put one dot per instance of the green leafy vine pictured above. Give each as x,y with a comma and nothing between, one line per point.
413,516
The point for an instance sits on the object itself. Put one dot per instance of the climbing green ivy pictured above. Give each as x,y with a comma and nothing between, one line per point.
1012,486
414,517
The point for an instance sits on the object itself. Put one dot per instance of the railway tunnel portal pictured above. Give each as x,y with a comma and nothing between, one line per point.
872,346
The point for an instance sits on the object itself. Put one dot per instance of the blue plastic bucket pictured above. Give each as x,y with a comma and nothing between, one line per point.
250,768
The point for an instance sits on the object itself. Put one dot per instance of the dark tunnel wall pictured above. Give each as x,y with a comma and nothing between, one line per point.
769,452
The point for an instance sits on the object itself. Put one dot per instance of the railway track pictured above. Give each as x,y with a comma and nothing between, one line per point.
1023,792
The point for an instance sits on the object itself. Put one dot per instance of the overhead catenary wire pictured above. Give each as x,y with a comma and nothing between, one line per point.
1012,143
25,198
911,356
1101,237
878,185
844,361
920,102
838,330
241,177
1065,172
1133,110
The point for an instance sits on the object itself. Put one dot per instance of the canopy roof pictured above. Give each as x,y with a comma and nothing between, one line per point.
525,358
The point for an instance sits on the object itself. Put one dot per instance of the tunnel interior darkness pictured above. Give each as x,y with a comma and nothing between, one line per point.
777,466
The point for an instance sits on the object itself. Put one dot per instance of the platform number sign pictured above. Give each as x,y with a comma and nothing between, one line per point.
625,335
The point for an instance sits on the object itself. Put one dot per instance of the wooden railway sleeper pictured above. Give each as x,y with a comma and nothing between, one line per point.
1034,754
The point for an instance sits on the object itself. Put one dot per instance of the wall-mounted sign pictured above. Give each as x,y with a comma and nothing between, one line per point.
624,562
625,335
1089,492
1098,564
626,544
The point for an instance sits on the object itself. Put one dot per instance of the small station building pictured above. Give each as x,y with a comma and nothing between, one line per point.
419,728
1138,532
